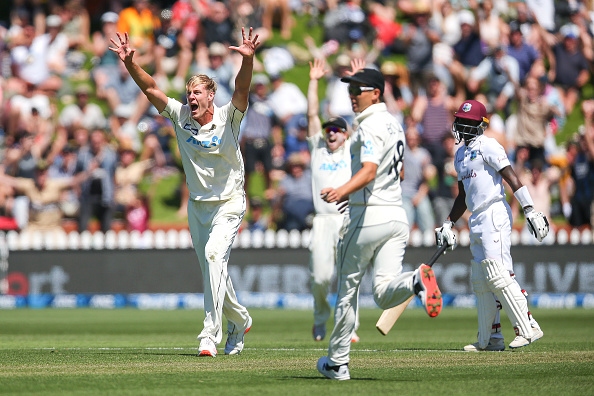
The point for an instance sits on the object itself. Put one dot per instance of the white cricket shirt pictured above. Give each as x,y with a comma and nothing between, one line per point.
379,138
478,167
210,153
328,169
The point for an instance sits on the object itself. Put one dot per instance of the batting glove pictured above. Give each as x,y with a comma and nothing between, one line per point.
445,236
537,223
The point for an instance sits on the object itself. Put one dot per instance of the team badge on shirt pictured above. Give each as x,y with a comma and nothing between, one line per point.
473,155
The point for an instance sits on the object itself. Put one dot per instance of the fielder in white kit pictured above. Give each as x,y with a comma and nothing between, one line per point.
330,167
376,229
207,137
481,165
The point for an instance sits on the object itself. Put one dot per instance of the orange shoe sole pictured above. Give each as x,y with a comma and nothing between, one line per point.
433,297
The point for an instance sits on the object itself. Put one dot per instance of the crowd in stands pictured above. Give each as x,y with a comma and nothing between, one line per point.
77,136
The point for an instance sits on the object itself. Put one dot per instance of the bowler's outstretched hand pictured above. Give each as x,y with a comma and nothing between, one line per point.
249,44
123,49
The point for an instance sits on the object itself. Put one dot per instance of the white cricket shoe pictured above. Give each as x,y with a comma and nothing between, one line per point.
207,347
520,341
340,373
495,344
425,287
319,331
234,344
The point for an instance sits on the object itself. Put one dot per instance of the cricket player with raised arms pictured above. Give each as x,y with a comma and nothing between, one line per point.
376,228
207,137
482,164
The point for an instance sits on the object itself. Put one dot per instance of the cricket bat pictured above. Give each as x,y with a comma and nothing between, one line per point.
390,316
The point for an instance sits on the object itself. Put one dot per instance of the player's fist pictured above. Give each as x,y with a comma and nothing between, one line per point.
445,236
537,224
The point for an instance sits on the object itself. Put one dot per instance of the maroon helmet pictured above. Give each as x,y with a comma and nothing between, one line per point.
471,121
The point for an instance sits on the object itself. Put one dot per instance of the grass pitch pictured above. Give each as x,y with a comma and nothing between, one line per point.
133,352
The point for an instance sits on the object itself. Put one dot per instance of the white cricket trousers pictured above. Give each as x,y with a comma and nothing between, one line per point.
214,226
322,261
381,245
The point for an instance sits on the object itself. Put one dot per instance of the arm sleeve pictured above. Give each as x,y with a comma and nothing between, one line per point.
173,110
372,148
494,155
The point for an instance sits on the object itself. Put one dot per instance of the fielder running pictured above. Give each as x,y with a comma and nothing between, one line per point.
481,164
207,139
330,166
376,229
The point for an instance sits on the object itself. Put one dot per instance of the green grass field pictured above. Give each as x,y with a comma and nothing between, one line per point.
133,352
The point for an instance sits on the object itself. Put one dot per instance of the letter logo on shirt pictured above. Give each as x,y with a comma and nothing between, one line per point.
204,143
188,127
367,148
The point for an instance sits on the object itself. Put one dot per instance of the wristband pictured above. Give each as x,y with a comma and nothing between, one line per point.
523,197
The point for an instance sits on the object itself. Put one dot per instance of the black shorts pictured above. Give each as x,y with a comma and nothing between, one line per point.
257,150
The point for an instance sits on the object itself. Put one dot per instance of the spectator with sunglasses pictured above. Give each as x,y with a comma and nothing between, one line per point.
330,166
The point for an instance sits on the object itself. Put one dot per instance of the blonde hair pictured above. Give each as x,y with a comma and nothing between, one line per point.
201,79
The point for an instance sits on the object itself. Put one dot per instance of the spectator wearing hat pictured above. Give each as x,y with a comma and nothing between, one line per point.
58,45
82,113
215,61
468,51
293,199
397,93
297,141
526,55
261,137
569,68
107,62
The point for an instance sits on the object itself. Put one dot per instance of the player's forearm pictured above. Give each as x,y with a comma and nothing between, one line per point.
144,81
313,103
458,209
244,76
359,180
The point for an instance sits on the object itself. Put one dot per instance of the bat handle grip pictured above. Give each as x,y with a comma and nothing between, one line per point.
436,255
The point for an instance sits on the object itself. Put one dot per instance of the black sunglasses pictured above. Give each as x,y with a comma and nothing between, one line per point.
356,90
333,129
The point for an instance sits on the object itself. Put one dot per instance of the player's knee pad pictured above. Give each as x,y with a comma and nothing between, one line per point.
477,278
486,306
509,294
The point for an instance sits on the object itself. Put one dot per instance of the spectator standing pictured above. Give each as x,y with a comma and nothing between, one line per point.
418,171
433,114
293,203
500,72
569,70
97,191
418,38
140,23
261,133
527,56
288,102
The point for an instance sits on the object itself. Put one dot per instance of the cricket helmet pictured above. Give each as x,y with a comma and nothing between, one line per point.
470,121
